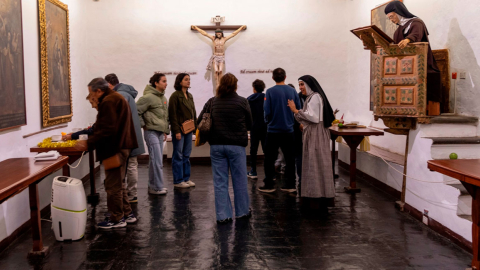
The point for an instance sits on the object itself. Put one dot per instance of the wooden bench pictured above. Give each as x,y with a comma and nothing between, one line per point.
21,173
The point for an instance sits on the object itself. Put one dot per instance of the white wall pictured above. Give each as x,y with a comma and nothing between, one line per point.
15,211
136,38
452,25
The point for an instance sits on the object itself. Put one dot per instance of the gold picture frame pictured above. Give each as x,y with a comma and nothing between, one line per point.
55,70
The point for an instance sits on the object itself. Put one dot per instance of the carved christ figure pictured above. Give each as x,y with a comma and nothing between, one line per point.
218,58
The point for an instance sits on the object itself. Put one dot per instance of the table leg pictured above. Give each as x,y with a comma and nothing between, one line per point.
66,171
333,156
476,228
353,142
474,191
39,251
94,197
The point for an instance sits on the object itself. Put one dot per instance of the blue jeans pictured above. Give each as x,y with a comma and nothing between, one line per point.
181,158
233,158
154,140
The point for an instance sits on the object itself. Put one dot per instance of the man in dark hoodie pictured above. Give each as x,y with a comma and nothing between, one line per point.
259,127
129,93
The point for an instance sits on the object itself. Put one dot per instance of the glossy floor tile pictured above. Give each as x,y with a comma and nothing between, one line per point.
178,231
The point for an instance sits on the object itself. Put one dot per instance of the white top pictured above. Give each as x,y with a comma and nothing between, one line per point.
314,112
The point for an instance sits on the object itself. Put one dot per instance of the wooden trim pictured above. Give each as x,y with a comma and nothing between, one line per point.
44,130
432,224
440,229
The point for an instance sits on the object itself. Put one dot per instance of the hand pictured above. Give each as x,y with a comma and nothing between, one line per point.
404,43
67,137
178,136
244,27
194,27
301,127
292,106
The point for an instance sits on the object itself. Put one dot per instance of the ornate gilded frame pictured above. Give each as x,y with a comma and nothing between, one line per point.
46,119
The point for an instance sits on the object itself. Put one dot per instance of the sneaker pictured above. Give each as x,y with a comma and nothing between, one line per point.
289,189
267,188
133,200
224,221
130,218
181,185
108,224
252,174
247,216
157,191
190,183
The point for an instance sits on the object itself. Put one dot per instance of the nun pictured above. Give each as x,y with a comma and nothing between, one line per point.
316,116
412,29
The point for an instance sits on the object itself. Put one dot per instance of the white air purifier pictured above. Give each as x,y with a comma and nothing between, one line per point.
69,208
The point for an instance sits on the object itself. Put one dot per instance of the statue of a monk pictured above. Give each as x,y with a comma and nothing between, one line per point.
412,29
218,58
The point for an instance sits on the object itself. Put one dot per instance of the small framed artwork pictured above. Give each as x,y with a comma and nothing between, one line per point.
12,80
55,63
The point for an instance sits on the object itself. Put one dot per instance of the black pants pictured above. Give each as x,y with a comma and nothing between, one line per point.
255,138
284,141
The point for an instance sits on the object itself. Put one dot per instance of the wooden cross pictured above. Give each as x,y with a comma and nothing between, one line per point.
218,20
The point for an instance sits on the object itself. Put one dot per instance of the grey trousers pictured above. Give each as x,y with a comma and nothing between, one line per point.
154,140
132,177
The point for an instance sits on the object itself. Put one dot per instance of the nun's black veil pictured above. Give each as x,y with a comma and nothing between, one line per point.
328,116
399,8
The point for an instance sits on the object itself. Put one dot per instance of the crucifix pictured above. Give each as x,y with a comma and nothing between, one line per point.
217,61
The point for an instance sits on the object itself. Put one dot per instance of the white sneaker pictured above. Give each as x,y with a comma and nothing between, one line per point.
157,192
181,185
190,183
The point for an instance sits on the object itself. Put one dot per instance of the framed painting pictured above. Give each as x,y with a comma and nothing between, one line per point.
380,20
55,63
12,80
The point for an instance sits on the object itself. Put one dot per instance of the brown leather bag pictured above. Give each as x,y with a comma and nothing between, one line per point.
112,162
188,126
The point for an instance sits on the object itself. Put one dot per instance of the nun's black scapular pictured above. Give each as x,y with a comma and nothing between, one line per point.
399,8
328,116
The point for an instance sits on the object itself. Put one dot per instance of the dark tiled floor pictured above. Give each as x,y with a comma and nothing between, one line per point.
178,231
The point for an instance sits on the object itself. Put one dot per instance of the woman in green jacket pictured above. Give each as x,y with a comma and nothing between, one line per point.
153,113
181,108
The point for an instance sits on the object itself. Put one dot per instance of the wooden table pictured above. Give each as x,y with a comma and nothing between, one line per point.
74,153
468,172
17,175
353,137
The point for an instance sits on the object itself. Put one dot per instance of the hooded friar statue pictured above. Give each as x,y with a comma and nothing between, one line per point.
412,29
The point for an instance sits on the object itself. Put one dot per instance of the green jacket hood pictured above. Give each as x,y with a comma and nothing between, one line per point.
152,90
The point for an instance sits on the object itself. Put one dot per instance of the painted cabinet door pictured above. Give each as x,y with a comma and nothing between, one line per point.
400,81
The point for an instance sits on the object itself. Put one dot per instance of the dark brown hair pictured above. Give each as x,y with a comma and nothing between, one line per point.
258,85
228,84
112,79
156,78
279,75
178,80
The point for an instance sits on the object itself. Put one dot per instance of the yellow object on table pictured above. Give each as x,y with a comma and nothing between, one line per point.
365,144
47,143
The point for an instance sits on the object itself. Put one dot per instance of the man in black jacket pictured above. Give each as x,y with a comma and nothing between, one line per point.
259,127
